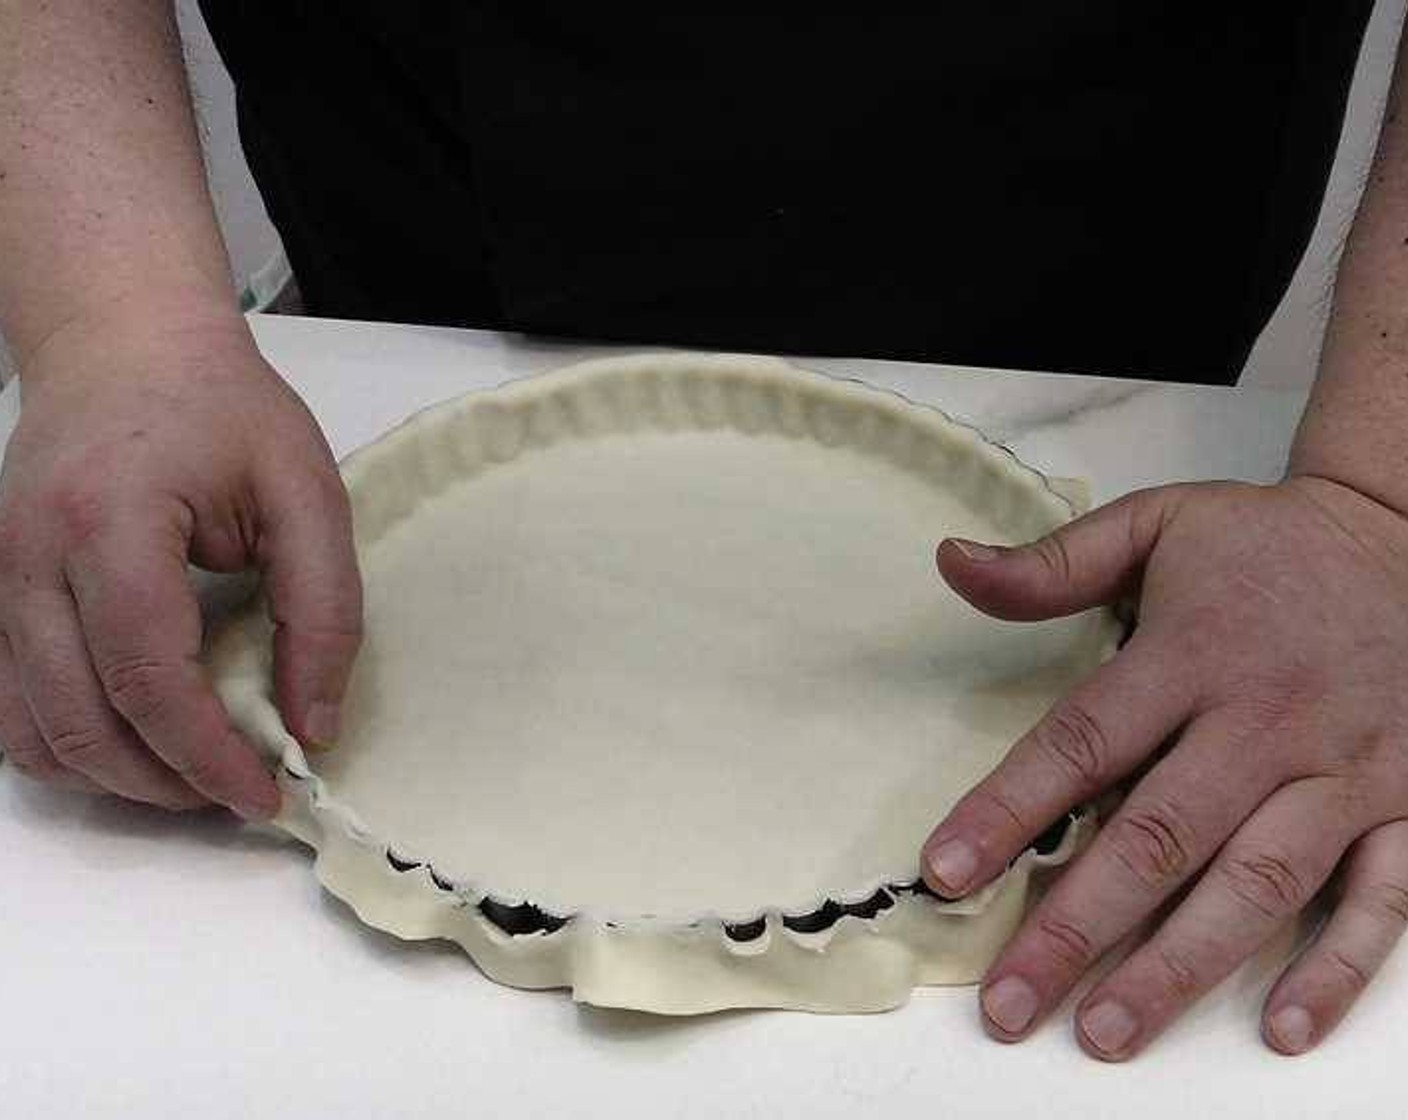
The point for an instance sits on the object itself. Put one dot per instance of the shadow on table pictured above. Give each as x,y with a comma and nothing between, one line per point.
60,812
612,1024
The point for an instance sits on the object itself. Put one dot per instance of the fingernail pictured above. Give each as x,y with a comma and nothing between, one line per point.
953,863
322,723
1109,1027
1293,1029
979,553
1011,1003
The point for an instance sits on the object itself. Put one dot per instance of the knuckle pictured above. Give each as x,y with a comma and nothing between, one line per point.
338,630
12,538
319,490
82,512
992,803
136,685
1385,901
1262,710
1147,517
1355,792
1051,550
1271,701
1064,940
333,492
1300,682
1075,740
1265,882
345,627
19,561
1176,972
130,599
1153,843
78,745
1351,973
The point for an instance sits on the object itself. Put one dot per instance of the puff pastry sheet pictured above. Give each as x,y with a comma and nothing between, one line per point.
661,691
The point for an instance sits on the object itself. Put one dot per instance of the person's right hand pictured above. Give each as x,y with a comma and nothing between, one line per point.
137,450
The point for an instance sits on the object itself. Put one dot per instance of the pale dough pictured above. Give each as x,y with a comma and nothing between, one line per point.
658,645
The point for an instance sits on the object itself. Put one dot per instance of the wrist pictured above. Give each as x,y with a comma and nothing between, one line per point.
1352,429
150,324
1382,486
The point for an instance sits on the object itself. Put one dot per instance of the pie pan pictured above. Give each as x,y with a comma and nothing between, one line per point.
661,691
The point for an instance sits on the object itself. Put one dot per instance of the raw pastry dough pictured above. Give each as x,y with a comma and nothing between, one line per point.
661,690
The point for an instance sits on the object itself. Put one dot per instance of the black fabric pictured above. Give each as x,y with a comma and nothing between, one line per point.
1116,186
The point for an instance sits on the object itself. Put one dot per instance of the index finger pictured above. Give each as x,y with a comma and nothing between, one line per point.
315,599
1094,736
143,626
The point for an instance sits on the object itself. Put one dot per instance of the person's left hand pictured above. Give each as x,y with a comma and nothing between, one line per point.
1272,650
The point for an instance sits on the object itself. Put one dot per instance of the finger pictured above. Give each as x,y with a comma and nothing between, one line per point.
1093,560
1169,827
23,746
1320,987
143,627
1094,736
1266,873
315,599
79,726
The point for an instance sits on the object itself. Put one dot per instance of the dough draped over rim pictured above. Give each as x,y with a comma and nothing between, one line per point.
661,691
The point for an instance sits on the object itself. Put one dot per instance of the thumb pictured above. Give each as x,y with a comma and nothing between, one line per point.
1093,560
315,598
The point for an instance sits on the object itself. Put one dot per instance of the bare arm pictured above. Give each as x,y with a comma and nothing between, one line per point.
152,432
1355,429
104,213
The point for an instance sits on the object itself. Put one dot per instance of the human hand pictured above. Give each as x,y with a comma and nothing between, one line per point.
136,451
1272,645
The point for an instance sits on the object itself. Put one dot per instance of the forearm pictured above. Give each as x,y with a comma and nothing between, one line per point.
104,211
1355,428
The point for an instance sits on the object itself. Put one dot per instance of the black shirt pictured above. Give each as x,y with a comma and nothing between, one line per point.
1115,186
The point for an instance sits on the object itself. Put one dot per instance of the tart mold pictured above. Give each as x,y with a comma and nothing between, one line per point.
863,947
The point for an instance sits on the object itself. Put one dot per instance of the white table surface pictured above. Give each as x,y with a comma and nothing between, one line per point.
154,966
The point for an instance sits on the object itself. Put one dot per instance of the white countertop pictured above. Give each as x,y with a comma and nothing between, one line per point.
155,966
